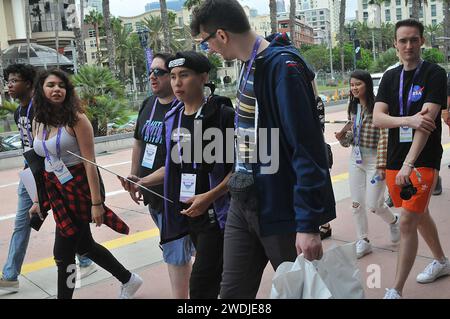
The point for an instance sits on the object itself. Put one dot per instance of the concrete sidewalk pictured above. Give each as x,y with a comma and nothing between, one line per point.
144,257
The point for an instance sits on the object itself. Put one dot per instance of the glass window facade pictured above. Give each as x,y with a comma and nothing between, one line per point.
44,15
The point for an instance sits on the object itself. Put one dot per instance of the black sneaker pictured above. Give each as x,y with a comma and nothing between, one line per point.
438,189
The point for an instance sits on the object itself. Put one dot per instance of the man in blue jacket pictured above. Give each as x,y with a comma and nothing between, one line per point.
277,206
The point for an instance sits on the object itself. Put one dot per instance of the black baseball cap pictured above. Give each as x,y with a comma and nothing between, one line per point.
191,60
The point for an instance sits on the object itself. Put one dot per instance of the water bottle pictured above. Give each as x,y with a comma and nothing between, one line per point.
375,178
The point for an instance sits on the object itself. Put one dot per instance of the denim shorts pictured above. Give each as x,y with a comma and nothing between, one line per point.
178,252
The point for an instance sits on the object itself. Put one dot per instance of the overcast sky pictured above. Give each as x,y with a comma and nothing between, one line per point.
136,7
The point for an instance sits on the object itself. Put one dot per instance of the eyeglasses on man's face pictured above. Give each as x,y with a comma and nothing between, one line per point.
204,44
158,72
13,81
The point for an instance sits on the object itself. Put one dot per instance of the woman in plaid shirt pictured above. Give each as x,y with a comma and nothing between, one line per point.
367,161
73,189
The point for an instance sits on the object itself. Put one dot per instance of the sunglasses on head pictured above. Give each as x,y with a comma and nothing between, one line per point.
158,72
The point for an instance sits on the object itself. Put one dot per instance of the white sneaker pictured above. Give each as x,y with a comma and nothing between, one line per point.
128,290
87,271
395,230
433,271
392,294
9,285
363,248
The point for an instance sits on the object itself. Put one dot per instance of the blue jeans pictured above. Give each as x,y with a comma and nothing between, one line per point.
20,237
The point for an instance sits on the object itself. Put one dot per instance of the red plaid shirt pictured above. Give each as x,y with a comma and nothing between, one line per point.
71,203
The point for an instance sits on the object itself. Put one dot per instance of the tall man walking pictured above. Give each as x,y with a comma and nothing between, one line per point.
278,204
409,103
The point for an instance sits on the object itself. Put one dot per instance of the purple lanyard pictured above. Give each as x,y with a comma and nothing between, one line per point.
400,93
247,74
180,116
148,130
357,129
30,137
58,144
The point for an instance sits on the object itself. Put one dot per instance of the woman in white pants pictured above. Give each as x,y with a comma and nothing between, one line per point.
367,162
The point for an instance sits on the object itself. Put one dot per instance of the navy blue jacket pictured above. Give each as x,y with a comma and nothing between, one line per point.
299,196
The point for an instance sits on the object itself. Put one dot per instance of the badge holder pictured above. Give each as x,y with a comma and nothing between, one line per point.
357,154
406,134
187,189
61,172
149,156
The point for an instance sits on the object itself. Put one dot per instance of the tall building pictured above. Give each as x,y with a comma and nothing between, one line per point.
281,6
93,5
319,19
45,16
396,10
333,7
303,33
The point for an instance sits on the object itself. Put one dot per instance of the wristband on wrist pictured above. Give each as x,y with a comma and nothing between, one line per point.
405,163
98,204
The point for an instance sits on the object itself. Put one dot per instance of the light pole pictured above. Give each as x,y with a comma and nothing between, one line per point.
352,39
143,38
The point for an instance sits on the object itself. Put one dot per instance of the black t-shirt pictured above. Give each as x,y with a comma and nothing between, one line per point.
429,87
152,133
23,123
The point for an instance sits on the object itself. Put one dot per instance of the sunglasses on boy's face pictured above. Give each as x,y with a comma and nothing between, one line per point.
158,72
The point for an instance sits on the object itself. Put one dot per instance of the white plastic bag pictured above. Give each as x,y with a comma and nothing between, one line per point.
334,276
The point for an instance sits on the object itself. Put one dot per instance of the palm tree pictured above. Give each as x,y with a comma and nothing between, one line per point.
95,18
7,109
432,31
27,25
154,26
189,4
341,33
165,25
292,19
109,36
56,26
387,31
102,95
127,45
79,39
416,4
273,16
364,34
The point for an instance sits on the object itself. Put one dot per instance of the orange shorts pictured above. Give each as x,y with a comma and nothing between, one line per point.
419,202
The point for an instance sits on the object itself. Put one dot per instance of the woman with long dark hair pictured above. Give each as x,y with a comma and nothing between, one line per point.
367,162
73,187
